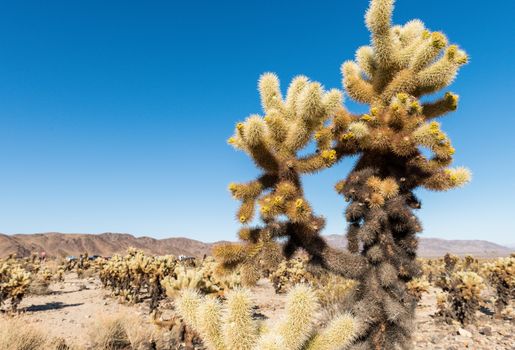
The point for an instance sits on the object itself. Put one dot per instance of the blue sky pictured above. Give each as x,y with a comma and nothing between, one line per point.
114,115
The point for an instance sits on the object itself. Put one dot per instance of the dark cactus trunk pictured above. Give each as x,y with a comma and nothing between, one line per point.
383,231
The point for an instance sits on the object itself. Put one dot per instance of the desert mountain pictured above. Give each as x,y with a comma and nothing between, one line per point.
107,244
435,247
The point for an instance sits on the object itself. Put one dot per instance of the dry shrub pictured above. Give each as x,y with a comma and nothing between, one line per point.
16,334
122,332
109,333
39,287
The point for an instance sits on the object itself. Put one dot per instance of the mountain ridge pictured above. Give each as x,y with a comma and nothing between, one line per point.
58,244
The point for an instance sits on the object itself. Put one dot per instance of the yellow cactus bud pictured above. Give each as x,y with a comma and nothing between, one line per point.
340,185
329,155
373,111
403,97
299,203
366,117
452,99
438,40
426,34
278,200
347,136
415,106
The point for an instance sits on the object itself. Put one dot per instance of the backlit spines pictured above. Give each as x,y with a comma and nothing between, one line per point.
234,328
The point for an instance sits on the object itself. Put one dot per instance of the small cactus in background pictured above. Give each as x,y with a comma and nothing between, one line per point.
449,267
14,282
130,275
418,286
501,275
202,278
290,272
462,298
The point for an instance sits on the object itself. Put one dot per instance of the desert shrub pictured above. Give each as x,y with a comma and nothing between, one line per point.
16,334
109,333
462,297
123,331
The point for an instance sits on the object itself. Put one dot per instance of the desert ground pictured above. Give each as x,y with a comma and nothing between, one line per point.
70,310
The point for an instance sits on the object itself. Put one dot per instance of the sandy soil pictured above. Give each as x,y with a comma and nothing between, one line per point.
72,307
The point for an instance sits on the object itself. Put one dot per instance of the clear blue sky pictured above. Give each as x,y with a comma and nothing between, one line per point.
114,115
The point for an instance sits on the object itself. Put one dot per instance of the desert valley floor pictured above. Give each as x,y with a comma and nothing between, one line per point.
73,306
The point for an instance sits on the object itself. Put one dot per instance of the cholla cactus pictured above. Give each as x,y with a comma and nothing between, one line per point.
462,298
418,286
290,272
402,64
331,289
446,272
273,142
470,263
231,326
501,274
130,275
14,282
202,278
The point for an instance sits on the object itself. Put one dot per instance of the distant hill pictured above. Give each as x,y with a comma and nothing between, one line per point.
435,247
106,244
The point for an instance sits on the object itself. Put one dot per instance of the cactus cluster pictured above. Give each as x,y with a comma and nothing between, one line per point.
203,278
501,275
136,275
14,282
467,284
392,75
418,286
331,289
231,326
462,297
289,273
